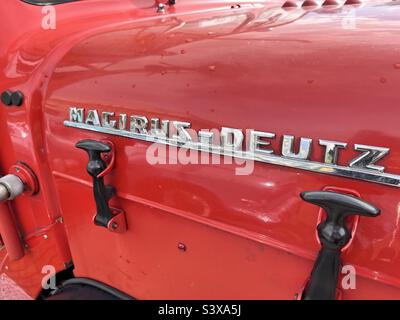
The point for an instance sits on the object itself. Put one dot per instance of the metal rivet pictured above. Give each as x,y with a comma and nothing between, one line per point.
45,236
161,7
6,98
181,246
114,225
17,98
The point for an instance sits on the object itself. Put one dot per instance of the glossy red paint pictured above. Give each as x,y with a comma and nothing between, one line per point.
323,73
9,233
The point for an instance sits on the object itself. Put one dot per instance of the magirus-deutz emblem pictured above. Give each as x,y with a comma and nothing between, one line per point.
247,144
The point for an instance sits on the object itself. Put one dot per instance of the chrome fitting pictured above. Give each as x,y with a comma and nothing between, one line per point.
11,186
4,194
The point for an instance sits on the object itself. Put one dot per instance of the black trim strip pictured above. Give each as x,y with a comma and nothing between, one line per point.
47,2
98,285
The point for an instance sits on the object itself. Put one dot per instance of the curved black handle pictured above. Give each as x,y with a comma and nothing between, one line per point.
94,148
333,232
333,235
96,165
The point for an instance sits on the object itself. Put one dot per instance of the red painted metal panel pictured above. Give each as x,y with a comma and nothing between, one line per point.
10,233
301,73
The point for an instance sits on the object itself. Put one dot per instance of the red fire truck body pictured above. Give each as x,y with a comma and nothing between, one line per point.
286,75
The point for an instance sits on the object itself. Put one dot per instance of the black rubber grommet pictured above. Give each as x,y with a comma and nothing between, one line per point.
17,98
6,97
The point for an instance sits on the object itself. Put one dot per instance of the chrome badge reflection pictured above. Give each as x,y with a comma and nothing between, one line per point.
230,142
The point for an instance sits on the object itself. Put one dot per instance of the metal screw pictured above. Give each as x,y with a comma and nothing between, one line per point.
114,225
45,236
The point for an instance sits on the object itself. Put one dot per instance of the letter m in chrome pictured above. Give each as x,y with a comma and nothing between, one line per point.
76,114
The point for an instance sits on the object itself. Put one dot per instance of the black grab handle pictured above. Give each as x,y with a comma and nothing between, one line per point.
95,166
333,235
